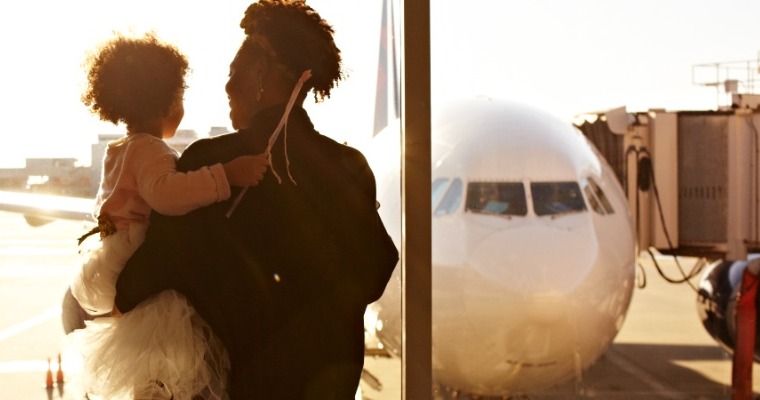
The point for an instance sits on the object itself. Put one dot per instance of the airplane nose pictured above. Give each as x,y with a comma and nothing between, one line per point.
547,260
546,307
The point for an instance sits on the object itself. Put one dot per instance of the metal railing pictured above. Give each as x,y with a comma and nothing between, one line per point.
728,77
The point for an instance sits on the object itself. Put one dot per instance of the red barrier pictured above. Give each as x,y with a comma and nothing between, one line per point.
744,350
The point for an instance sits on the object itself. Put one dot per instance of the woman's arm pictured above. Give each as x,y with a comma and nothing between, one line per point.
169,247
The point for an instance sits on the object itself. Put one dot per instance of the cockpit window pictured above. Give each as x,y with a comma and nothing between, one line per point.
601,196
596,197
500,198
451,200
592,200
439,185
551,198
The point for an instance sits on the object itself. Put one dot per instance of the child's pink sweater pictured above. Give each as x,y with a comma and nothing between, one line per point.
139,174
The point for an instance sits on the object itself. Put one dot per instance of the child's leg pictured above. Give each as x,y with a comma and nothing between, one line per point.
72,314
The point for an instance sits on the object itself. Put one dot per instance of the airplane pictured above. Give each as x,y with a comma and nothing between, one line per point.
533,247
39,209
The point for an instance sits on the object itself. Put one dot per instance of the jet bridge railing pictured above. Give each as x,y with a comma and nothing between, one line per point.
728,77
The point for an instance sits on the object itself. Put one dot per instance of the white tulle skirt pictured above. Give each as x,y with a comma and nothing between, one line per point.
162,349
94,286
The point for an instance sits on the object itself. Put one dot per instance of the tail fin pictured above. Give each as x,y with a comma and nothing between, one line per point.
384,89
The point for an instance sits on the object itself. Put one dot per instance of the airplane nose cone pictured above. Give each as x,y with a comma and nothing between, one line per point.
545,259
546,307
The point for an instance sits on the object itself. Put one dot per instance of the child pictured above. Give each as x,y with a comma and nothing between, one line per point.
162,349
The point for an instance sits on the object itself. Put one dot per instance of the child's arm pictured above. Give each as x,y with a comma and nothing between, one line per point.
176,193
246,170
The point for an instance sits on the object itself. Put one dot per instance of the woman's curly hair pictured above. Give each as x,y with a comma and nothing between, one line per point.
132,80
300,40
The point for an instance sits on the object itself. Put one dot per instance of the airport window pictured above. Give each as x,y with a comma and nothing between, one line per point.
498,198
451,200
437,190
555,198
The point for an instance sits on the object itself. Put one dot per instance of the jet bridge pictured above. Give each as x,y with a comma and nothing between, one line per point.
691,177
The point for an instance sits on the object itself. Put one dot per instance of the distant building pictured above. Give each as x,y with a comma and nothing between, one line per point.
13,179
97,151
179,142
57,176
63,176
182,139
218,130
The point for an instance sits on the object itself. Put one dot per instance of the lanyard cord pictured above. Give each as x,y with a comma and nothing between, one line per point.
283,125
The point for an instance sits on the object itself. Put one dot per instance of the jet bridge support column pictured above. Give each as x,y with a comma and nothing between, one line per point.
637,141
664,153
740,193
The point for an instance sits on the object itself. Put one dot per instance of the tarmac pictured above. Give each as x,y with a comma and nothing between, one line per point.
661,352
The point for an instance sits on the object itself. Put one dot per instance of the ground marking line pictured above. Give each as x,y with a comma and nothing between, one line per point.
28,324
20,366
629,366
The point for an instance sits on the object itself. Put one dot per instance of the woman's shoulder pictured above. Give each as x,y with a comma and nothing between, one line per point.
203,145
352,155
351,159
344,150
211,150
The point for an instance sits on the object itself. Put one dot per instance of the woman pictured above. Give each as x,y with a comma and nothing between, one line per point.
283,277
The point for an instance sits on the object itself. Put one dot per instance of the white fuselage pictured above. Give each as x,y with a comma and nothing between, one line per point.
527,291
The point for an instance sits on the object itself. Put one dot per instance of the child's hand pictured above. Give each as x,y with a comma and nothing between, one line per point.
246,170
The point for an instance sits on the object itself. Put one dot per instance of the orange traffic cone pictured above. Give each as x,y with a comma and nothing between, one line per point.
49,377
59,374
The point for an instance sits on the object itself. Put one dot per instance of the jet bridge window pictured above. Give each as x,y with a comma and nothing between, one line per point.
451,200
553,198
499,198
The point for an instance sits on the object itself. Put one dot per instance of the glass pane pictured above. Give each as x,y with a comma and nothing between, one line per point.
38,256
529,307
547,306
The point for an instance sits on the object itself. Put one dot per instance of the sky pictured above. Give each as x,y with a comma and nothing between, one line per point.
567,57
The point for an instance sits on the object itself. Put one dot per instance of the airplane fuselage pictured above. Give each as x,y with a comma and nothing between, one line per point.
533,250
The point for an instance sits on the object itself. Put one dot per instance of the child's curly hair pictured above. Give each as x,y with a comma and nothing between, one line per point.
299,38
132,80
